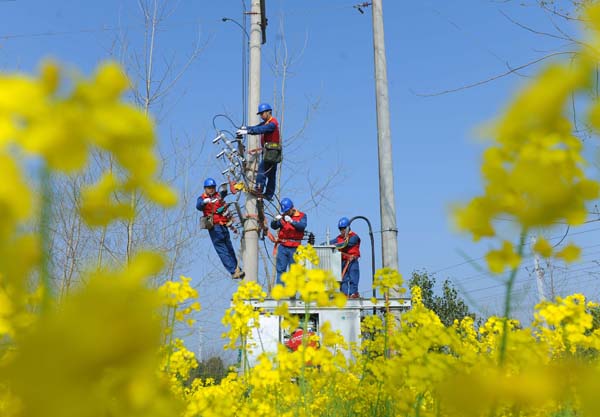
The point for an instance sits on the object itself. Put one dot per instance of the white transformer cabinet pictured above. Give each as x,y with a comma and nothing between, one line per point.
346,320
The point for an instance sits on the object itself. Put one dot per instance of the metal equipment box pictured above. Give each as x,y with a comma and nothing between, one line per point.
346,320
330,259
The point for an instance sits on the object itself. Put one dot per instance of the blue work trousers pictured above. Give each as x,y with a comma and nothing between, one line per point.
222,243
350,279
267,174
285,257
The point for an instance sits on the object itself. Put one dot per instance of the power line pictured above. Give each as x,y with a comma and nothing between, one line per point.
561,237
105,28
461,281
570,278
467,261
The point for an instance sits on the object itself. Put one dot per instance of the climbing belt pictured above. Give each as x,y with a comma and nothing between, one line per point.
349,259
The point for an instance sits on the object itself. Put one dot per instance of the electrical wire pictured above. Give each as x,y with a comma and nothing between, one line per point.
268,254
584,273
570,278
224,116
563,238
95,30
523,268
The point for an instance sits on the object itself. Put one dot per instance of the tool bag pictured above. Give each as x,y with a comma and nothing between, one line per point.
272,153
207,222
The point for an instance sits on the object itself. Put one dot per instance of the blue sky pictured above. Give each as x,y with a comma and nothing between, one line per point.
432,46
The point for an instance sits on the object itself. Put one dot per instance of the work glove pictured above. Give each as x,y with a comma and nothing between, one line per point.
278,217
287,219
241,132
206,200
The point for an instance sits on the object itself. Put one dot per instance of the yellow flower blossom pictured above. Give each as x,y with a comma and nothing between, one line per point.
100,205
15,196
569,253
242,317
313,285
542,247
103,338
306,253
499,259
387,279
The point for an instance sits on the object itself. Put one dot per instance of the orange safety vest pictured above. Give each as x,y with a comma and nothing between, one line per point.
272,137
211,208
288,235
295,340
349,253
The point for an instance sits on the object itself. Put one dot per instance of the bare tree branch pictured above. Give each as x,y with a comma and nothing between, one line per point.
496,77
537,32
563,15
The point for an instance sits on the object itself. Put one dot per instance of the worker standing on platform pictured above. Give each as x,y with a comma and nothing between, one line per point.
291,223
295,340
348,243
215,219
270,143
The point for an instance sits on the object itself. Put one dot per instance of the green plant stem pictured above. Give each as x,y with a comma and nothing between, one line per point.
386,324
418,403
245,366
507,301
303,367
169,337
45,216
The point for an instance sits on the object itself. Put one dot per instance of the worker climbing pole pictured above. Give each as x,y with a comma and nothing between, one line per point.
251,166
217,219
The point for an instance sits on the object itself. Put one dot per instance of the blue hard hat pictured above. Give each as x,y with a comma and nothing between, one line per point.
263,107
343,223
209,182
286,204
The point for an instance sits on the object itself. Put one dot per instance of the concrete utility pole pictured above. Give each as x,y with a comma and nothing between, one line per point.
250,237
539,272
387,205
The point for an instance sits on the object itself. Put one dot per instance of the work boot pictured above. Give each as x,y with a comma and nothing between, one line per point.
238,273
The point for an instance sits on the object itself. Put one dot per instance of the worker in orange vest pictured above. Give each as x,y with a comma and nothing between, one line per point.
295,340
270,143
212,204
348,243
291,224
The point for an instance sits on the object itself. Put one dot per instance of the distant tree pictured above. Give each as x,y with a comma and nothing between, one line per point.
449,306
173,232
425,282
213,367
595,312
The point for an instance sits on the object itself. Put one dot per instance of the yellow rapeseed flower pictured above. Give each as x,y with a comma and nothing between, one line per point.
242,317
543,247
499,259
569,253
15,196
